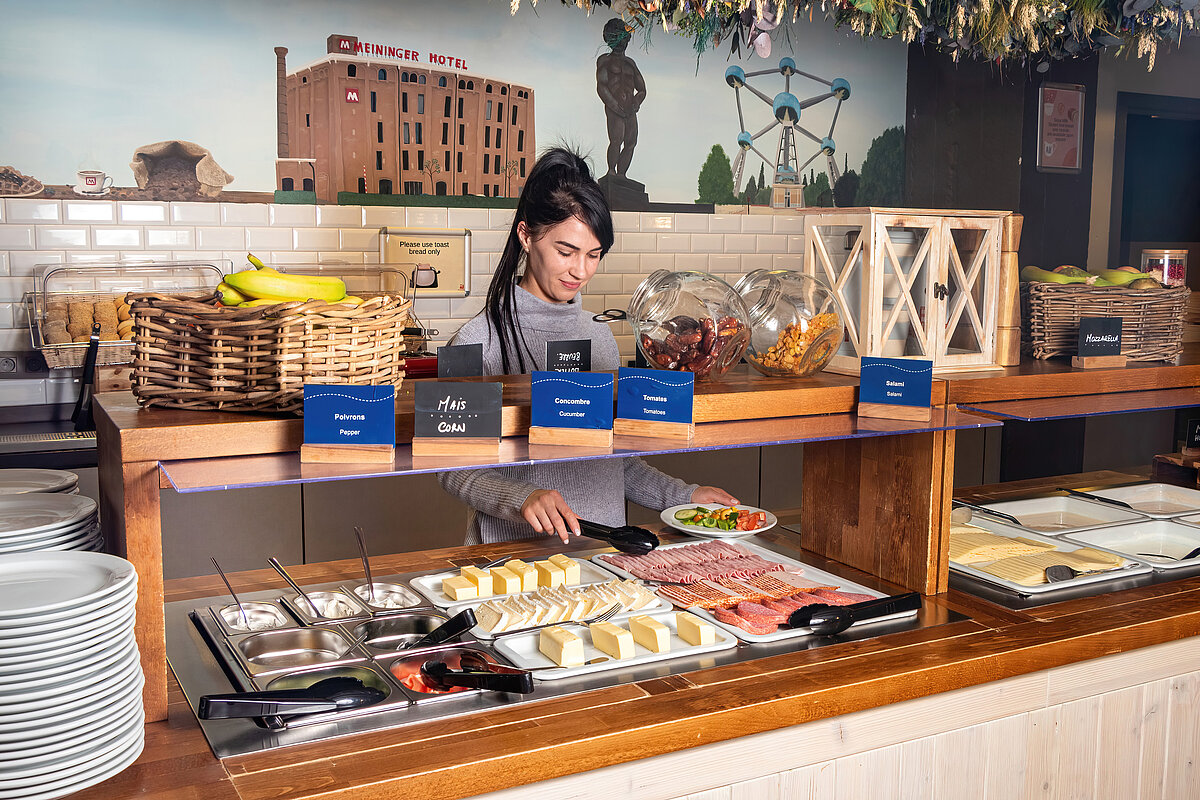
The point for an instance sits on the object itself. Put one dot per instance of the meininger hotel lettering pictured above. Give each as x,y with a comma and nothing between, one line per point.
354,45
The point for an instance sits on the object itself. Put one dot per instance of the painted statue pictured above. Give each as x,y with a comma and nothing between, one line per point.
621,88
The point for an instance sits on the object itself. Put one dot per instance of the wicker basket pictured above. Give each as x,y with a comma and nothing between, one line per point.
1151,319
194,354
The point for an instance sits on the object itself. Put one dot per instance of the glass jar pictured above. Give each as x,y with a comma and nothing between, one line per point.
690,321
1171,263
796,322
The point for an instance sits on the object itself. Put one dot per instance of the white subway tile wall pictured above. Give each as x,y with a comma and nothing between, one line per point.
39,232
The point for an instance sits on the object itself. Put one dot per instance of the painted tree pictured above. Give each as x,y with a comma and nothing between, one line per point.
817,192
431,167
716,178
845,191
882,179
750,195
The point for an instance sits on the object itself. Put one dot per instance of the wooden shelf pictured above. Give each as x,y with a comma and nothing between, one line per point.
237,472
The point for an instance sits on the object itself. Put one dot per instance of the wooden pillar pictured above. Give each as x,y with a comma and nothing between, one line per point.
881,505
1008,332
132,524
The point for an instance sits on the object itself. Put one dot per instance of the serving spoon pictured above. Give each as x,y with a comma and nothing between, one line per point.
1096,497
233,594
362,549
274,562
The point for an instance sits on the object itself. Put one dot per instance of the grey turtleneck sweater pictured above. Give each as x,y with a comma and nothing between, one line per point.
595,489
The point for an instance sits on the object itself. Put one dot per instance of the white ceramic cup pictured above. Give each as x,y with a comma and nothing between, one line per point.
92,181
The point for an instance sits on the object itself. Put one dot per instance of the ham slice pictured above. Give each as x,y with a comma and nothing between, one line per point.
835,598
732,618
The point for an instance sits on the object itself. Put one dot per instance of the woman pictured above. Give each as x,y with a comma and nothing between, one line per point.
561,230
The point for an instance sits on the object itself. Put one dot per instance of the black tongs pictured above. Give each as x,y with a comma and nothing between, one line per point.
826,620
330,694
629,539
456,626
439,675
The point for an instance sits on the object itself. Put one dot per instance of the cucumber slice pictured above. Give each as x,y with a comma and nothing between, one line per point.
685,514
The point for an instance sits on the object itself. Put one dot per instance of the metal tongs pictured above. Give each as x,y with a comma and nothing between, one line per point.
439,675
628,539
986,510
330,694
1096,497
826,620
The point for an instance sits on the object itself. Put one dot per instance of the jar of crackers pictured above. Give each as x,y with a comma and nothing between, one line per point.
796,322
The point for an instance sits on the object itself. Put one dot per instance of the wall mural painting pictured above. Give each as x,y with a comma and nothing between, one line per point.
407,103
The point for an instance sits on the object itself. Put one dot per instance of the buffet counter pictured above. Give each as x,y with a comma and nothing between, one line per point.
751,721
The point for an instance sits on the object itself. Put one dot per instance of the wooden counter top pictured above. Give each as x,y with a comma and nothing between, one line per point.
462,756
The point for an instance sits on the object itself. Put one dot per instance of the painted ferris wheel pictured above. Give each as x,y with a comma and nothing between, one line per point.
786,110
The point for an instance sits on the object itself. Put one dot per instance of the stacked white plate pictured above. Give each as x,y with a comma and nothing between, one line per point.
44,521
41,481
71,681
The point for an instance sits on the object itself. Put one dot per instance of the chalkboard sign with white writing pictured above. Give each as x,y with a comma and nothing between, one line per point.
569,355
1100,336
457,410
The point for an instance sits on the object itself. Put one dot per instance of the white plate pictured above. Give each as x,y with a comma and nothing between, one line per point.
129,684
523,651
28,513
55,657
1155,500
122,597
75,540
103,768
87,733
431,586
668,516
22,481
817,577
62,725
1136,566
20,537
1163,536
16,635
92,670
1051,516
51,642
32,583
49,698
66,766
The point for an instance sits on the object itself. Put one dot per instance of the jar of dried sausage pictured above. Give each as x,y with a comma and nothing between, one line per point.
689,321
797,323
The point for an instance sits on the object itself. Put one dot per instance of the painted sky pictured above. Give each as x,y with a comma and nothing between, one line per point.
84,82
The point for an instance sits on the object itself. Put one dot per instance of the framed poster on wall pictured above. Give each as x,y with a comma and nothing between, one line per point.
1060,127
436,260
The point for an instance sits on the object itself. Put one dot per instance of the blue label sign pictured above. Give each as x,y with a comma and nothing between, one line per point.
655,394
895,381
572,400
349,414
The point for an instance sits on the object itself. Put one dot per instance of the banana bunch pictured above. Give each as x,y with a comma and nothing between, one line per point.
266,286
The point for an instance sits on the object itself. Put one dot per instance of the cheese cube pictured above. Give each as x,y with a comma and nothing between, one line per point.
650,634
612,639
550,574
527,573
505,581
561,646
694,630
479,577
456,587
569,566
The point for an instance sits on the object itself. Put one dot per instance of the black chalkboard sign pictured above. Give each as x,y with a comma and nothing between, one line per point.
1100,336
569,355
460,361
1192,442
457,410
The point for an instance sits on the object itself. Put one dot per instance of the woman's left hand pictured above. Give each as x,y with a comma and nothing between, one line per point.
713,494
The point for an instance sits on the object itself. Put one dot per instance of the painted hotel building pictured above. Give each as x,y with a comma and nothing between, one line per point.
370,118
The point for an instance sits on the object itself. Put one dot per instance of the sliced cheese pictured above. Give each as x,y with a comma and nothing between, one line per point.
612,639
694,630
650,634
570,568
505,581
492,616
456,587
550,574
527,573
561,646
481,578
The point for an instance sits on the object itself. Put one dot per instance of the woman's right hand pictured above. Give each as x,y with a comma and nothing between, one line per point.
548,513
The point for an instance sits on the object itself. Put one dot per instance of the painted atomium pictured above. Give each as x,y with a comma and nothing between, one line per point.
786,110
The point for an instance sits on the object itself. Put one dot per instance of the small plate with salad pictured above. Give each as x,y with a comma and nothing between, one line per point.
709,519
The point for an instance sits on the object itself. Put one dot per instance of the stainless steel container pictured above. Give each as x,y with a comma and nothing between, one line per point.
283,650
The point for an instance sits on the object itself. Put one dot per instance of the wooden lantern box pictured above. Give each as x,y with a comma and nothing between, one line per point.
920,284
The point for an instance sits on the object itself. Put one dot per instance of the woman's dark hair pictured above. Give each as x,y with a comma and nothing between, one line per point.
559,186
